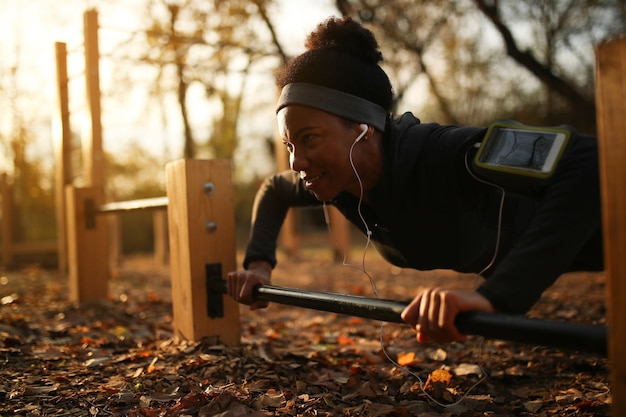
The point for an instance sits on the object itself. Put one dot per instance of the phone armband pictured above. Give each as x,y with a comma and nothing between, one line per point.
522,156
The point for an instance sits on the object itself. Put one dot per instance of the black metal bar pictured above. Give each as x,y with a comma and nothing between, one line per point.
573,336
155,203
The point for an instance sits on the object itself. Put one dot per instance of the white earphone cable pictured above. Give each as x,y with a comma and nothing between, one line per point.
373,284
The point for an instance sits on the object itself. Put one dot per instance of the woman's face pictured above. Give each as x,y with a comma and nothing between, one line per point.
319,149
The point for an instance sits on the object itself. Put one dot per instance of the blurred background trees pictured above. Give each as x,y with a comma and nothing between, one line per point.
487,59
204,71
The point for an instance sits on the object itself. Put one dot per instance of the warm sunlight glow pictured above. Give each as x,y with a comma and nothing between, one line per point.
29,29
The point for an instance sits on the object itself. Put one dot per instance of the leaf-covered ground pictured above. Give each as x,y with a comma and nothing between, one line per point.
118,357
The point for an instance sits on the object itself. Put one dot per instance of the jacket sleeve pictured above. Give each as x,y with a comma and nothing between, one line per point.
567,217
276,195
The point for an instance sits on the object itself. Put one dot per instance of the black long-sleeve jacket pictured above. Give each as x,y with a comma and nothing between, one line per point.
430,213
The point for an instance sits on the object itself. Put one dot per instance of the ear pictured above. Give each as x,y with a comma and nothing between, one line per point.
364,129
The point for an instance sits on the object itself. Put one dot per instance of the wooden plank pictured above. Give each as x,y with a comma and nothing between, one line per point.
288,238
340,230
161,242
93,159
35,247
7,221
114,230
62,139
611,117
192,246
154,203
87,244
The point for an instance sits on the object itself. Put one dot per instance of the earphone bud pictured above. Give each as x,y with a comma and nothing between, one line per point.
364,129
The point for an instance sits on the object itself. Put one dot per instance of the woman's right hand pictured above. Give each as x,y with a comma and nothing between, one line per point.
240,284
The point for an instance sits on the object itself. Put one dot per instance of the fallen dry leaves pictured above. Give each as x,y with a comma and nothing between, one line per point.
118,357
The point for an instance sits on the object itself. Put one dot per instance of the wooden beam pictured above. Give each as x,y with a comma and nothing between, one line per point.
93,159
161,242
35,247
62,139
288,237
87,244
7,220
340,239
611,117
193,246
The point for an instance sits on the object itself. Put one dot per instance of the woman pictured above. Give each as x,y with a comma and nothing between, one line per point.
413,190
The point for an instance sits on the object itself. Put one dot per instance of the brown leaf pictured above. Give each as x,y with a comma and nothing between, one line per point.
152,367
344,340
407,359
437,383
270,399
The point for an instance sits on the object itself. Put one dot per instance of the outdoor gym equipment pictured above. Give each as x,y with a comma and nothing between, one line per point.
573,336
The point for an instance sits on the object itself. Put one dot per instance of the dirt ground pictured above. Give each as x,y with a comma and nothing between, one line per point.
118,357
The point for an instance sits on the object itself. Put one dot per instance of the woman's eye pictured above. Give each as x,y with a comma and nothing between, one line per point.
289,146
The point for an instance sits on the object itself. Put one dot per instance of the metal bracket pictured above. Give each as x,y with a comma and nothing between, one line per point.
214,282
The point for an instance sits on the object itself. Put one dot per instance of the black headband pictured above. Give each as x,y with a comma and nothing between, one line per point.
333,101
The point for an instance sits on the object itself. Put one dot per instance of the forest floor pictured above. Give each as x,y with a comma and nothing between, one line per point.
119,357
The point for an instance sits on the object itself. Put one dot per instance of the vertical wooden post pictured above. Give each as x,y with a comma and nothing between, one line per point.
87,244
114,234
62,138
192,245
7,221
340,228
161,247
611,117
288,237
92,143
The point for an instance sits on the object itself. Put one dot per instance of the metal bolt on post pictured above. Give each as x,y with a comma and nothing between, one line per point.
210,226
208,188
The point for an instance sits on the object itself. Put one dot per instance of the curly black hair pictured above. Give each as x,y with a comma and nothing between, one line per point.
342,55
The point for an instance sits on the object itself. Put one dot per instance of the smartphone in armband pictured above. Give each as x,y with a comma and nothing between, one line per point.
522,156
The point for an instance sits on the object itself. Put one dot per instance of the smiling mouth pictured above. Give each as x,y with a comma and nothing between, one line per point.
310,181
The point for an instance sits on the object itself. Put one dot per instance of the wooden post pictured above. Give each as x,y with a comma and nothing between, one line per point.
192,207
288,237
114,234
611,117
87,244
7,221
161,244
62,139
92,142
340,228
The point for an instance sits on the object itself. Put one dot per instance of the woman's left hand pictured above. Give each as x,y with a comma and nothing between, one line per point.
433,311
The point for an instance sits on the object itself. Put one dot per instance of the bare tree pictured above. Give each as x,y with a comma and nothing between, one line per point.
209,43
555,21
406,37
448,41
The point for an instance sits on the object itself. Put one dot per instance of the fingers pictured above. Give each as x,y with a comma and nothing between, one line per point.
240,286
433,311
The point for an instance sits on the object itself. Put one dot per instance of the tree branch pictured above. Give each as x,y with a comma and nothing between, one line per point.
528,61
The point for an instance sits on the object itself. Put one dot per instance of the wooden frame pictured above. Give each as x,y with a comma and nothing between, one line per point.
611,117
192,212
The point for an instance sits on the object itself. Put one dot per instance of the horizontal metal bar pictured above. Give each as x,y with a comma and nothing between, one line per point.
155,203
573,336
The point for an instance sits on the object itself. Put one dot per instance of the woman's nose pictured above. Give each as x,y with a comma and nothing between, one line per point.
298,161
